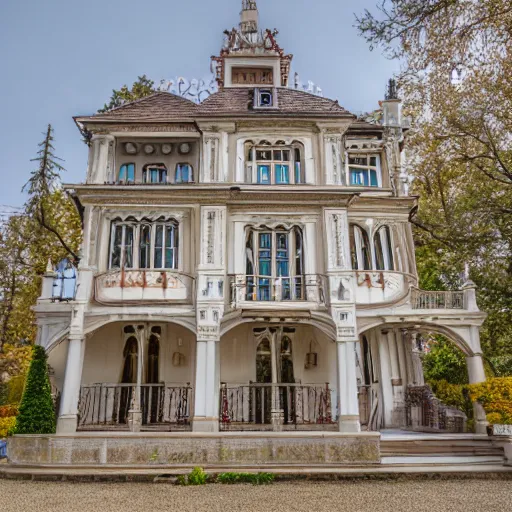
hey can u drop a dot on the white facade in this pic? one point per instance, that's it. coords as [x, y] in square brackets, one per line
[245, 269]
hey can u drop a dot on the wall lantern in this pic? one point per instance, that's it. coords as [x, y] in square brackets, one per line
[311, 358]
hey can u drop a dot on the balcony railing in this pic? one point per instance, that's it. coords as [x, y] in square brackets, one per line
[134, 285]
[106, 406]
[421, 299]
[249, 407]
[253, 288]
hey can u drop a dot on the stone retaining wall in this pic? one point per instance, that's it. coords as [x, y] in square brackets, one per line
[193, 449]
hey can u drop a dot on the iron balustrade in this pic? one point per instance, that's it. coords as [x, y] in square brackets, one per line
[107, 405]
[308, 287]
[251, 405]
[421, 299]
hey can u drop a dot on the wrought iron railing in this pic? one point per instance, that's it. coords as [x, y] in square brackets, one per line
[107, 405]
[243, 406]
[308, 287]
[421, 299]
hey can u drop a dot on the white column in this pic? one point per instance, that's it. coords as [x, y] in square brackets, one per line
[206, 407]
[417, 365]
[347, 386]
[67, 422]
[476, 374]
[385, 373]
[402, 358]
[393, 354]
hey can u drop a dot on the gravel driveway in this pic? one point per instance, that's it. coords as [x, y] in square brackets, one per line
[353, 496]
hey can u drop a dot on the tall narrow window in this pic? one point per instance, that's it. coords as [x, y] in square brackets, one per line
[383, 249]
[275, 271]
[299, 178]
[153, 359]
[183, 173]
[126, 173]
[360, 248]
[122, 246]
[364, 170]
[154, 173]
[166, 253]
[145, 246]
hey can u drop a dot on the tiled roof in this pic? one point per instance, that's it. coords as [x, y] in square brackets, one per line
[159, 107]
[164, 107]
[238, 101]
[365, 126]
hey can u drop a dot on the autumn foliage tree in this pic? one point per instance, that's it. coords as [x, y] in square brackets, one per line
[456, 80]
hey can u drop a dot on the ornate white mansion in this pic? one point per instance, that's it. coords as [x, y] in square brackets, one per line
[248, 265]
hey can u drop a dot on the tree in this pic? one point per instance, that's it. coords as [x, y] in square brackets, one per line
[37, 411]
[140, 89]
[42, 183]
[456, 81]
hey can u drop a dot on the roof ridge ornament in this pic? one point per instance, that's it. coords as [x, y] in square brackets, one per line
[249, 17]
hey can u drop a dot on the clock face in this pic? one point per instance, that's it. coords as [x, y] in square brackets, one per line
[166, 149]
[149, 149]
[185, 148]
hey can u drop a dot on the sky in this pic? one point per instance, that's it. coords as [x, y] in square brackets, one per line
[60, 58]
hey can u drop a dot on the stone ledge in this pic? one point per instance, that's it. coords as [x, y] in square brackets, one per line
[224, 449]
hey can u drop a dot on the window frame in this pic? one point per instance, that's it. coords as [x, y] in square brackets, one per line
[138, 228]
[163, 173]
[190, 176]
[254, 164]
[368, 168]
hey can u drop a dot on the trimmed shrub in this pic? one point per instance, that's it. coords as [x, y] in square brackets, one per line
[246, 478]
[495, 395]
[36, 412]
[6, 424]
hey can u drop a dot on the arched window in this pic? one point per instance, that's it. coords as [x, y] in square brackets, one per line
[154, 173]
[126, 173]
[360, 248]
[275, 264]
[131, 356]
[383, 249]
[153, 359]
[157, 243]
[184, 174]
[286, 361]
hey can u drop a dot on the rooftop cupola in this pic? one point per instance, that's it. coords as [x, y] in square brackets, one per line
[251, 57]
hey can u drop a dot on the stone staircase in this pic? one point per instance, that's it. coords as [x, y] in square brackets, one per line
[440, 450]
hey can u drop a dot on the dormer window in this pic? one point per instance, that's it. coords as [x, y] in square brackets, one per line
[265, 98]
[126, 173]
[154, 173]
[364, 170]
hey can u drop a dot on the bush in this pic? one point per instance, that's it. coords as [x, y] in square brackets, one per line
[196, 477]
[246, 478]
[444, 361]
[15, 389]
[36, 412]
[7, 411]
[7, 424]
[453, 395]
[495, 395]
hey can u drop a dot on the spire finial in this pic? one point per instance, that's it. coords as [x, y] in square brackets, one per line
[249, 17]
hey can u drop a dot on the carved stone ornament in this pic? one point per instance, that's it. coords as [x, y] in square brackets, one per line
[166, 149]
[149, 149]
[130, 148]
[184, 148]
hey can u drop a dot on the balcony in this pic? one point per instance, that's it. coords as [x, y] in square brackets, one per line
[248, 289]
[421, 299]
[144, 286]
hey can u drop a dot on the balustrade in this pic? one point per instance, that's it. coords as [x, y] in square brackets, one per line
[249, 406]
[106, 406]
[421, 299]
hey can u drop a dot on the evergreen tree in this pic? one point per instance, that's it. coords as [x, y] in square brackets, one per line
[37, 411]
[140, 89]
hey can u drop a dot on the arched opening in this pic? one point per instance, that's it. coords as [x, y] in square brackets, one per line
[129, 375]
[360, 250]
[383, 249]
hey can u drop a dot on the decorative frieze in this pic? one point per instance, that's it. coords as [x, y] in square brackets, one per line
[213, 236]
[337, 239]
[334, 160]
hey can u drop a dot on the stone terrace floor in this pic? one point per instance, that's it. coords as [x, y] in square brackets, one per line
[421, 495]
